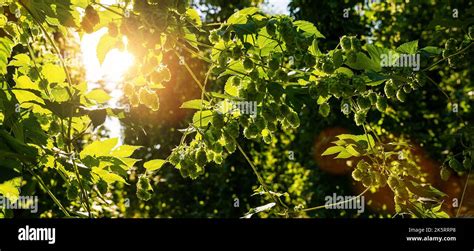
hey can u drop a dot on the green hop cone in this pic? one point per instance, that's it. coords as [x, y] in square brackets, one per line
[236, 81]
[214, 37]
[251, 131]
[345, 108]
[359, 84]
[337, 58]
[328, 67]
[248, 64]
[351, 56]
[236, 52]
[393, 182]
[367, 181]
[260, 123]
[467, 163]
[201, 157]
[230, 146]
[218, 159]
[357, 174]
[72, 192]
[455, 165]
[355, 42]
[450, 44]
[143, 194]
[390, 89]
[143, 182]
[324, 109]
[381, 103]
[271, 27]
[363, 102]
[274, 64]
[373, 98]
[401, 95]
[346, 43]
[174, 158]
[445, 173]
[359, 117]
[217, 120]
[293, 119]
[102, 186]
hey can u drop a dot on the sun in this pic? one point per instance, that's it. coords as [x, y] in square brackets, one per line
[114, 66]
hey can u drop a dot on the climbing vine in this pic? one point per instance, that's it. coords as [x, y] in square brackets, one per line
[272, 68]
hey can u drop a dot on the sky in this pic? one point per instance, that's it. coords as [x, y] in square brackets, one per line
[277, 6]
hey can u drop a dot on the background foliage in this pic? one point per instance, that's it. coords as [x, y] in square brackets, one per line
[49, 149]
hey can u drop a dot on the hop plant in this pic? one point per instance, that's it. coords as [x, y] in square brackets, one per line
[381, 103]
[359, 117]
[324, 109]
[72, 191]
[201, 157]
[363, 102]
[248, 64]
[346, 43]
[390, 89]
[218, 120]
[214, 36]
[445, 173]
[401, 95]
[102, 186]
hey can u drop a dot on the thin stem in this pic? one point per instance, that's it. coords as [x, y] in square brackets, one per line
[43, 185]
[335, 204]
[259, 177]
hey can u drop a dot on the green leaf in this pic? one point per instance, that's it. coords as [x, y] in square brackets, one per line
[11, 189]
[153, 165]
[376, 52]
[240, 17]
[106, 43]
[5, 50]
[202, 118]
[98, 95]
[124, 151]
[191, 39]
[432, 50]
[230, 89]
[364, 63]
[343, 155]
[350, 149]
[194, 104]
[107, 176]
[24, 82]
[333, 150]
[20, 60]
[408, 48]
[308, 28]
[193, 15]
[53, 73]
[59, 94]
[356, 138]
[99, 148]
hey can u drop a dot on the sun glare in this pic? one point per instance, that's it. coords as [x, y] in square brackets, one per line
[110, 72]
[114, 66]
